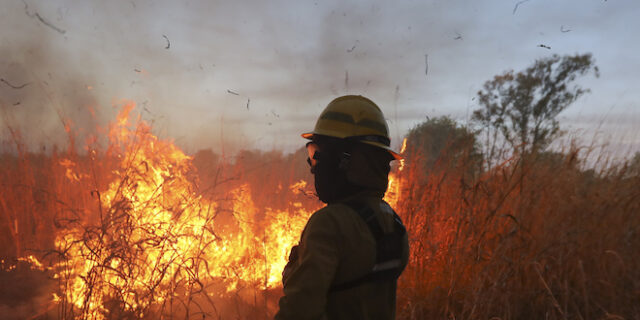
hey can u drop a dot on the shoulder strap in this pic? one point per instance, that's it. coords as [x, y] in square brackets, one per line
[388, 249]
[368, 215]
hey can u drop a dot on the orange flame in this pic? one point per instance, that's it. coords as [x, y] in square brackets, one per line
[156, 239]
[394, 188]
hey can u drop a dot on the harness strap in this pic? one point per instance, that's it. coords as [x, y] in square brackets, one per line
[388, 249]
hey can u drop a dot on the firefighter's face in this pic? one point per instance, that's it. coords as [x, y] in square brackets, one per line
[329, 180]
[313, 151]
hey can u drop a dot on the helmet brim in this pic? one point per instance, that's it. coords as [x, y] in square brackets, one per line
[396, 156]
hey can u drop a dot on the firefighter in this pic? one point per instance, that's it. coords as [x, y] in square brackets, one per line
[352, 251]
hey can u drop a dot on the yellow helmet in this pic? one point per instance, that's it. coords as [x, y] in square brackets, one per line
[357, 118]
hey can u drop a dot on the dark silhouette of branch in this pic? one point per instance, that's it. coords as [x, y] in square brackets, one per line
[48, 24]
[168, 42]
[14, 86]
[41, 19]
[353, 48]
[426, 63]
[518, 4]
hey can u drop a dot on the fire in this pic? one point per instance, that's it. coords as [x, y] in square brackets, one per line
[394, 188]
[148, 243]
[154, 244]
[404, 147]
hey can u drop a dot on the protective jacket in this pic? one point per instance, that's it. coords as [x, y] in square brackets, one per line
[337, 247]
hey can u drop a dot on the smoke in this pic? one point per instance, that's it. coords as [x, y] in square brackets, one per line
[181, 62]
[44, 88]
[254, 74]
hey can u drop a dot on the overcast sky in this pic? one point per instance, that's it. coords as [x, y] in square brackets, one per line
[255, 74]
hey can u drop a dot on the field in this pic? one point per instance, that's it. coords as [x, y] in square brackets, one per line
[132, 227]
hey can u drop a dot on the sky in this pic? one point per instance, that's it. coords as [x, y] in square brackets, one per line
[231, 75]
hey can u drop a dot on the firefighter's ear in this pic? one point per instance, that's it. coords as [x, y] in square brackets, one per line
[345, 159]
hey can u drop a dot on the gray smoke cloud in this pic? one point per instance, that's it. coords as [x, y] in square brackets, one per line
[255, 74]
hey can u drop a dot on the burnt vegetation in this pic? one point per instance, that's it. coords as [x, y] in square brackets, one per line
[501, 225]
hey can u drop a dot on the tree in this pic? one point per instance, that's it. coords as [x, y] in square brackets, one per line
[522, 108]
[440, 143]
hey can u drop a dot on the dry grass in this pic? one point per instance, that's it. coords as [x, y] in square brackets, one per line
[537, 237]
[533, 238]
[137, 266]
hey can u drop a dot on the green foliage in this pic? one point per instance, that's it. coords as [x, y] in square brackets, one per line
[522, 108]
[441, 142]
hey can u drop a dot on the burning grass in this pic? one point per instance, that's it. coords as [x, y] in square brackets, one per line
[144, 242]
[141, 230]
